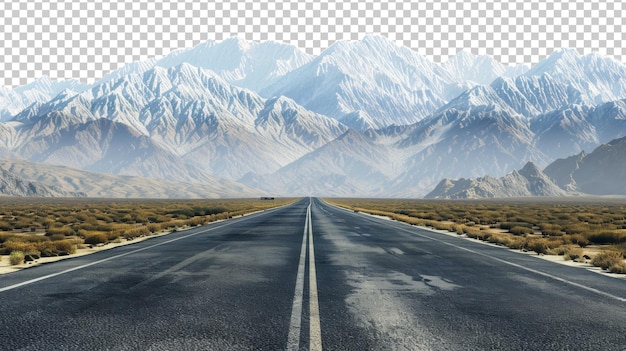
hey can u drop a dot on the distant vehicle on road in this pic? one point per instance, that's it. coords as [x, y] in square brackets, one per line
[266, 198]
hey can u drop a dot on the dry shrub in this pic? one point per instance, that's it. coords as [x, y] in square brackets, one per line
[47, 249]
[619, 268]
[578, 239]
[115, 234]
[539, 245]
[57, 237]
[510, 241]
[620, 247]
[96, 238]
[550, 229]
[443, 226]
[510, 225]
[560, 250]
[473, 232]
[56, 248]
[520, 230]
[459, 228]
[68, 246]
[173, 224]
[607, 237]
[500, 239]
[5, 236]
[569, 252]
[65, 231]
[196, 221]
[607, 259]
[154, 227]
[5, 226]
[136, 232]
[16, 257]
[15, 244]
[574, 253]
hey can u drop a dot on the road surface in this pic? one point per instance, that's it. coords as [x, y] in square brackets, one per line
[310, 276]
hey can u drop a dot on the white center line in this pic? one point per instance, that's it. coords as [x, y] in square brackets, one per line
[315, 333]
[295, 324]
[293, 340]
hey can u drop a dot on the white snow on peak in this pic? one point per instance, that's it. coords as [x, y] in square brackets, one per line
[53, 87]
[13, 101]
[479, 69]
[130, 68]
[557, 61]
[600, 78]
[251, 65]
[390, 84]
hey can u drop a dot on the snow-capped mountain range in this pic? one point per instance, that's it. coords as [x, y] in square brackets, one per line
[364, 118]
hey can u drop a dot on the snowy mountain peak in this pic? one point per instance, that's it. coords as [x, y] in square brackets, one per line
[251, 65]
[236, 42]
[600, 78]
[464, 55]
[379, 42]
[390, 84]
[559, 59]
[375, 51]
[43, 83]
[466, 66]
[47, 86]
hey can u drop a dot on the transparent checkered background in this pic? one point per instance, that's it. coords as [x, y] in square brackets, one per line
[84, 40]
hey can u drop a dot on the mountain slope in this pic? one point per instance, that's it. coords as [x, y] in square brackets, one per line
[562, 171]
[13, 185]
[454, 144]
[601, 172]
[352, 165]
[109, 147]
[70, 180]
[575, 128]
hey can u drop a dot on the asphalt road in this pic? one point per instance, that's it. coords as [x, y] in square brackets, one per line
[310, 276]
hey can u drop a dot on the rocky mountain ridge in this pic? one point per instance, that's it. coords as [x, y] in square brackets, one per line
[528, 181]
